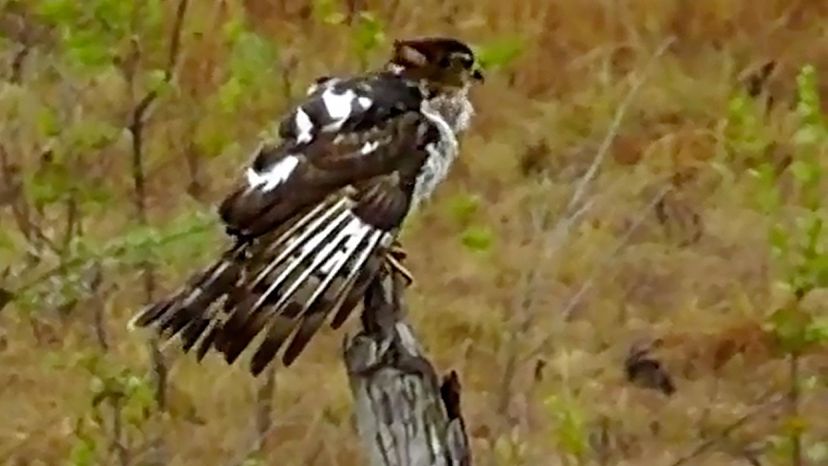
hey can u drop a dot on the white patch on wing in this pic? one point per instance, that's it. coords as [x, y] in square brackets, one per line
[368, 147]
[364, 102]
[338, 107]
[274, 175]
[304, 125]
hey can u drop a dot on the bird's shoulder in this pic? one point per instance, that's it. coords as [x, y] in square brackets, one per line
[349, 104]
[346, 119]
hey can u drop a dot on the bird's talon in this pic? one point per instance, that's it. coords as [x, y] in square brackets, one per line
[397, 251]
[397, 266]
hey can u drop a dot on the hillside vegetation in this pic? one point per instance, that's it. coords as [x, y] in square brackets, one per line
[627, 267]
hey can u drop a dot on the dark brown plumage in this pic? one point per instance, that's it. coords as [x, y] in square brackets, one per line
[316, 212]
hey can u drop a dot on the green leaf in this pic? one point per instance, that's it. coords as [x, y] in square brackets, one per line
[252, 57]
[818, 453]
[767, 192]
[232, 29]
[48, 185]
[89, 48]
[499, 53]
[157, 81]
[229, 94]
[806, 172]
[808, 105]
[328, 12]
[571, 429]
[789, 326]
[477, 238]
[140, 398]
[48, 123]
[211, 137]
[91, 134]
[152, 15]
[369, 34]
[746, 136]
[254, 461]
[778, 238]
[8, 242]
[83, 452]
[462, 208]
[817, 331]
[819, 266]
[809, 135]
[58, 11]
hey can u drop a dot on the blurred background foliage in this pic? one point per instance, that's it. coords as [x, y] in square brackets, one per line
[627, 266]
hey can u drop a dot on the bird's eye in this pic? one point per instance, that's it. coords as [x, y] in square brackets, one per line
[444, 62]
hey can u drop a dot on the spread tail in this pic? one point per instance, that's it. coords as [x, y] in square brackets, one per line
[280, 285]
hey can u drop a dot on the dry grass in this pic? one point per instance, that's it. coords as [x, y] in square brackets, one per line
[538, 322]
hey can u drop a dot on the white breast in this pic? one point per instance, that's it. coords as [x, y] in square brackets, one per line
[451, 115]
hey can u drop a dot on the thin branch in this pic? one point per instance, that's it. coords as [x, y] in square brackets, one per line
[140, 112]
[549, 242]
[767, 401]
[576, 209]
[108, 253]
[576, 299]
[136, 129]
[264, 408]
[17, 64]
[794, 408]
[606, 144]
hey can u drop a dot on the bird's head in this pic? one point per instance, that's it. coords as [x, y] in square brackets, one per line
[440, 61]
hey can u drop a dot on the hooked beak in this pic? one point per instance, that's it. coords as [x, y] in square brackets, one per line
[477, 75]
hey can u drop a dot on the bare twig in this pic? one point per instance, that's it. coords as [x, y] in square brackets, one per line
[136, 129]
[264, 407]
[118, 446]
[576, 208]
[17, 64]
[550, 239]
[794, 409]
[12, 195]
[606, 144]
[765, 402]
[80, 261]
[98, 308]
[586, 286]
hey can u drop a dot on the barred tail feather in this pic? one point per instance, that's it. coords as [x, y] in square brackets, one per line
[281, 288]
[248, 317]
[310, 276]
[189, 310]
[358, 248]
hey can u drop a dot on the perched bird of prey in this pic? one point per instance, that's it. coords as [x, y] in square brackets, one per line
[317, 214]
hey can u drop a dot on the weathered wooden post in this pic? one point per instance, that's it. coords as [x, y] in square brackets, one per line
[405, 415]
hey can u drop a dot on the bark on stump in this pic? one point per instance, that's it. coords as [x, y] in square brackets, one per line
[405, 415]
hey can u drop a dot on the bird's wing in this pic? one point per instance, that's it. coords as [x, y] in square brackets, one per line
[346, 130]
[297, 281]
[317, 217]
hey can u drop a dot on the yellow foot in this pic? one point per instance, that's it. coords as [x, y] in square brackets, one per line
[397, 251]
[395, 256]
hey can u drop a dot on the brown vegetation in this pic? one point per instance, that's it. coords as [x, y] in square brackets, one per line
[598, 204]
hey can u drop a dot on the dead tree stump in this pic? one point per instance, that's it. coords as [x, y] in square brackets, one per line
[405, 415]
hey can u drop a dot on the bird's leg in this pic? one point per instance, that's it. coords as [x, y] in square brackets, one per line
[395, 255]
